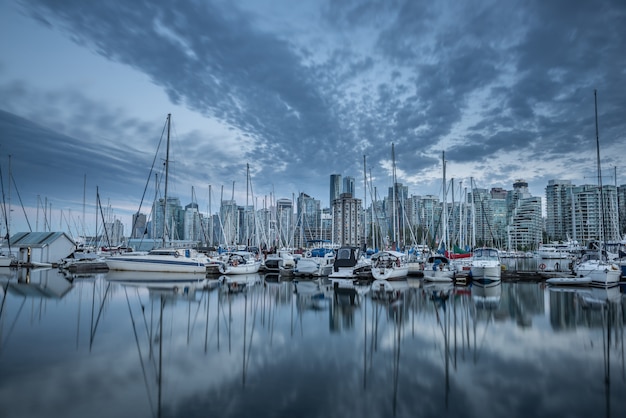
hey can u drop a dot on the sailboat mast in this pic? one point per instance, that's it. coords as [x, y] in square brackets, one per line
[364, 240]
[595, 99]
[167, 161]
[444, 236]
[393, 198]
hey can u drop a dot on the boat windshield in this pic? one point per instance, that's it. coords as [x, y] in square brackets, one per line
[486, 253]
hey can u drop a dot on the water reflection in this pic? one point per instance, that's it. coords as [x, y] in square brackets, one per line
[281, 347]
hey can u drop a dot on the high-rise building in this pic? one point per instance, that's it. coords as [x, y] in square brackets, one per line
[284, 222]
[483, 216]
[192, 224]
[113, 233]
[526, 226]
[229, 225]
[347, 220]
[621, 204]
[139, 228]
[168, 216]
[559, 226]
[308, 222]
[348, 185]
[335, 188]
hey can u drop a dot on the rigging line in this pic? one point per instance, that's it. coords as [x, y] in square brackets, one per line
[143, 367]
[149, 176]
[19, 197]
[17, 315]
[4, 209]
[93, 333]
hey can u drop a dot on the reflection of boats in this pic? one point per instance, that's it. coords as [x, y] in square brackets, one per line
[148, 278]
[486, 296]
[239, 262]
[239, 282]
[309, 295]
[486, 266]
[600, 297]
[388, 290]
[388, 265]
[569, 281]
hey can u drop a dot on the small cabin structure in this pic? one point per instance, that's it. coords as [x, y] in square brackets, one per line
[41, 247]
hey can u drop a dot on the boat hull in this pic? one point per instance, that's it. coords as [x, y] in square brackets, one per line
[155, 264]
[601, 274]
[240, 269]
[385, 273]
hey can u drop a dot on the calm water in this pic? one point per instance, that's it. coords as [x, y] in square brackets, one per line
[98, 348]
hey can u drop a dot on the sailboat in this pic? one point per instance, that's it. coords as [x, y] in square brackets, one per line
[165, 259]
[594, 264]
[389, 265]
[438, 268]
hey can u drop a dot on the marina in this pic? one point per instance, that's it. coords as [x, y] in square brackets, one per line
[112, 344]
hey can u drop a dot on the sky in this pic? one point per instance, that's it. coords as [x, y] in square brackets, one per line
[293, 92]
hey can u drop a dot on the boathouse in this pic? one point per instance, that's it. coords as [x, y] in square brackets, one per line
[35, 248]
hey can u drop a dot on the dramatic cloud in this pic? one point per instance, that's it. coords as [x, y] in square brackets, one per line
[302, 91]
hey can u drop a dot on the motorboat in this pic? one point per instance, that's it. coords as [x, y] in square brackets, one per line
[486, 266]
[161, 260]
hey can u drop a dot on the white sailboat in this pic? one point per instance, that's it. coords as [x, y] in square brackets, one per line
[594, 264]
[389, 265]
[165, 259]
[239, 262]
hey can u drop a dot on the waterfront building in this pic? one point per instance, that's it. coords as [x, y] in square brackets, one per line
[168, 215]
[621, 212]
[588, 215]
[284, 223]
[308, 224]
[228, 222]
[192, 230]
[394, 205]
[526, 225]
[139, 228]
[559, 200]
[114, 233]
[500, 214]
[482, 219]
[246, 233]
[346, 220]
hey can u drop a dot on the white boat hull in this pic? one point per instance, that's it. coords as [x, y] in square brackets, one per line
[602, 274]
[155, 264]
[485, 272]
[240, 269]
[436, 275]
[390, 273]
